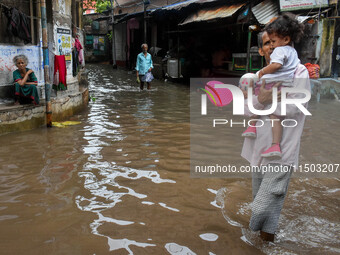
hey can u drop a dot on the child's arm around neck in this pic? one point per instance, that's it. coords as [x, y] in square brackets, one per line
[271, 68]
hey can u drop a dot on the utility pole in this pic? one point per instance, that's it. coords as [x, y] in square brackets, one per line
[146, 2]
[46, 64]
[114, 64]
[251, 28]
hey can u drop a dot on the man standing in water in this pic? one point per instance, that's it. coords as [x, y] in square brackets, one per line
[269, 189]
[144, 67]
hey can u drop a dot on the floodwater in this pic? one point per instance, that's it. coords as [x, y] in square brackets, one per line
[119, 183]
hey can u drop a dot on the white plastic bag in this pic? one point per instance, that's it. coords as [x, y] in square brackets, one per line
[148, 77]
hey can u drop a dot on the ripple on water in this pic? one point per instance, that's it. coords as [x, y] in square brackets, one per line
[176, 249]
[126, 168]
[302, 228]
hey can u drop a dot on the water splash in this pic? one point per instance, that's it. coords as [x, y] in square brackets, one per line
[220, 199]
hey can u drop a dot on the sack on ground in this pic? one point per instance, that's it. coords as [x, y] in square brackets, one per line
[313, 70]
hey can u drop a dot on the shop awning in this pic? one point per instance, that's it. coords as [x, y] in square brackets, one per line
[212, 13]
[180, 5]
[173, 7]
[265, 11]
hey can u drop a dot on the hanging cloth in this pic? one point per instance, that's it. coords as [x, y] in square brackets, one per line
[77, 44]
[75, 62]
[60, 73]
[79, 48]
[18, 24]
[81, 58]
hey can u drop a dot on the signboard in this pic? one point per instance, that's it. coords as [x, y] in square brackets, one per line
[64, 43]
[291, 5]
[99, 44]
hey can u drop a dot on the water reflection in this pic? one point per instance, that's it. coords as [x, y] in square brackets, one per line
[108, 129]
[120, 182]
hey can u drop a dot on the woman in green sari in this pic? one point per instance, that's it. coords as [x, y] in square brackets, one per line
[25, 81]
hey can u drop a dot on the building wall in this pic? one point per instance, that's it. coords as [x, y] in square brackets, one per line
[11, 46]
[98, 47]
[60, 14]
[62, 18]
[326, 40]
[8, 52]
[307, 46]
[29, 117]
[120, 39]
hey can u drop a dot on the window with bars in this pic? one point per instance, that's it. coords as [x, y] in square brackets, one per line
[29, 9]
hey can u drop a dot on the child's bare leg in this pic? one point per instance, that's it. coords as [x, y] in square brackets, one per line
[253, 120]
[276, 129]
[274, 150]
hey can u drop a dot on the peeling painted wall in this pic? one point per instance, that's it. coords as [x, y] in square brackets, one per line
[8, 52]
[326, 47]
[33, 53]
[62, 18]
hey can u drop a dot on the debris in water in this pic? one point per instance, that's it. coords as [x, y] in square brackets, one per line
[65, 123]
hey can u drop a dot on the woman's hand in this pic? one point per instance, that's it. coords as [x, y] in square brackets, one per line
[245, 91]
[29, 72]
[150, 69]
[265, 96]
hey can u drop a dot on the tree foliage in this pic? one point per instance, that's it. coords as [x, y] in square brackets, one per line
[98, 5]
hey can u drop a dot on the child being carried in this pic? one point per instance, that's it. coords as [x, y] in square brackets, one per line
[283, 32]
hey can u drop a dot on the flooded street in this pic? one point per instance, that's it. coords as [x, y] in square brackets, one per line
[119, 183]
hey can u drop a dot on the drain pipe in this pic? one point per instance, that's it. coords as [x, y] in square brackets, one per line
[113, 38]
[46, 64]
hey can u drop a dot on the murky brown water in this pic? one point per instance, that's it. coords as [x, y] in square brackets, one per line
[119, 183]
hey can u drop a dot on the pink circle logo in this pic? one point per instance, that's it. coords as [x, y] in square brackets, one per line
[218, 96]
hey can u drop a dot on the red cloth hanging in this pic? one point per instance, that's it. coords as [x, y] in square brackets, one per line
[60, 73]
[77, 44]
[79, 48]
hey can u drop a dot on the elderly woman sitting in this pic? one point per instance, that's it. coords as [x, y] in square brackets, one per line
[25, 81]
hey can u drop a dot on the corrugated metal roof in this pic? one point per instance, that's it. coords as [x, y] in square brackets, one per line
[265, 11]
[178, 6]
[212, 13]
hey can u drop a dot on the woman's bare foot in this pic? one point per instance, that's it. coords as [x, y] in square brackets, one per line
[267, 236]
[16, 103]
